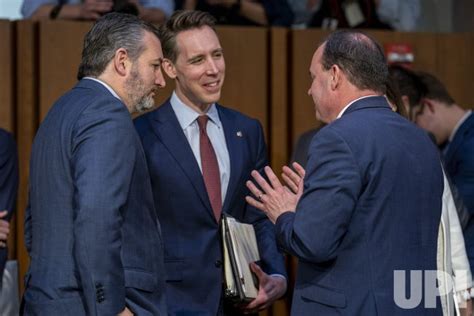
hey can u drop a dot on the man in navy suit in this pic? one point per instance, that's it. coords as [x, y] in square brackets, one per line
[8, 190]
[370, 202]
[91, 228]
[453, 129]
[199, 171]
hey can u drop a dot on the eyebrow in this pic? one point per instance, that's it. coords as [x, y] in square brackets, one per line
[217, 50]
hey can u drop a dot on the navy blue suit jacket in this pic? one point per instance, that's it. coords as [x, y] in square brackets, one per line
[193, 256]
[371, 205]
[8, 184]
[459, 165]
[91, 227]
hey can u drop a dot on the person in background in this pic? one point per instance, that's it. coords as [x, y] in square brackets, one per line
[154, 11]
[91, 228]
[8, 191]
[244, 12]
[332, 14]
[453, 130]
[199, 155]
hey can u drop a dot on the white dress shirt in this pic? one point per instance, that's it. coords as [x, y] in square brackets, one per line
[187, 118]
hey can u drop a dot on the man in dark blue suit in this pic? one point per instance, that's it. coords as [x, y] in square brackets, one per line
[199, 155]
[8, 190]
[370, 202]
[91, 227]
[453, 129]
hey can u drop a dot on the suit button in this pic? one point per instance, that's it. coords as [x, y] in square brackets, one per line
[218, 263]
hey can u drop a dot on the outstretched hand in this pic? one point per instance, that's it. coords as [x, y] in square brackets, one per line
[276, 199]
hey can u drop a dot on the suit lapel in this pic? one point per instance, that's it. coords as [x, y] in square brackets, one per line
[166, 127]
[235, 141]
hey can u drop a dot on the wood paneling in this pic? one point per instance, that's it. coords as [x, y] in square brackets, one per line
[246, 82]
[7, 76]
[60, 48]
[27, 122]
[279, 97]
[303, 45]
[455, 66]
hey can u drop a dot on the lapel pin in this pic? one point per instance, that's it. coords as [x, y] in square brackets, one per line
[239, 134]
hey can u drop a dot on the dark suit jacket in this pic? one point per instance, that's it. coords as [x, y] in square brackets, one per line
[193, 256]
[91, 227]
[371, 205]
[459, 165]
[8, 184]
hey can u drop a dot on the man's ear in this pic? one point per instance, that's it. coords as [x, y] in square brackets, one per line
[429, 105]
[169, 68]
[122, 64]
[336, 76]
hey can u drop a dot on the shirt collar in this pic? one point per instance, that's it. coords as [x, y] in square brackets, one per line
[352, 102]
[105, 85]
[186, 115]
[458, 125]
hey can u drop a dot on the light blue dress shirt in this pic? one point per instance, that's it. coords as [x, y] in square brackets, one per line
[187, 118]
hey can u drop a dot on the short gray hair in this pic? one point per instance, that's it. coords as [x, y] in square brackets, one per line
[107, 35]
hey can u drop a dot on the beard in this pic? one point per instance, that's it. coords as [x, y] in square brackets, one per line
[140, 97]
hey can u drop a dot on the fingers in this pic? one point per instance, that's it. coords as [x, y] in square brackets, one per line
[258, 271]
[289, 183]
[275, 182]
[299, 169]
[261, 182]
[3, 213]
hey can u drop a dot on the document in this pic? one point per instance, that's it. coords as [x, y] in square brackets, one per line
[240, 249]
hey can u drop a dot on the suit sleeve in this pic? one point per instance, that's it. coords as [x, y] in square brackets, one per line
[464, 177]
[8, 183]
[331, 188]
[272, 260]
[102, 160]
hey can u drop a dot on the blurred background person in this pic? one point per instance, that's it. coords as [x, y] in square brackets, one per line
[8, 192]
[243, 12]
[154, 11]
[380, 14]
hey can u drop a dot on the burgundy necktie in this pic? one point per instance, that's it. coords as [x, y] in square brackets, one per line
[210, 168]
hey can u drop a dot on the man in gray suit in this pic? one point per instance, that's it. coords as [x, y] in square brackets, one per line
[91, 228]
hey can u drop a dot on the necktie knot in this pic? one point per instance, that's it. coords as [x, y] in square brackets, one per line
[202, 122]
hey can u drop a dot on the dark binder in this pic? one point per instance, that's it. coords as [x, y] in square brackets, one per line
[240, 249]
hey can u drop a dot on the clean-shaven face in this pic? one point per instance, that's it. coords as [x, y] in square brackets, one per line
[199, 67]
[320, 86]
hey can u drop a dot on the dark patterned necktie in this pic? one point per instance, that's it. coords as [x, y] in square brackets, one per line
[210, 168]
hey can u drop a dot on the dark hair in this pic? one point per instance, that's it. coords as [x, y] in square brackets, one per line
[360, 58]
[408, 83]
[435, 89]
[394, 97]
[107, 35]
[181, 21]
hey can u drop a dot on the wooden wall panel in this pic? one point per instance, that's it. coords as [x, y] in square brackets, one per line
[246, 83]
[6, 75]
[279, 97]
[303, 45]
[60, 47]
[455, 66]
[27, 123]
